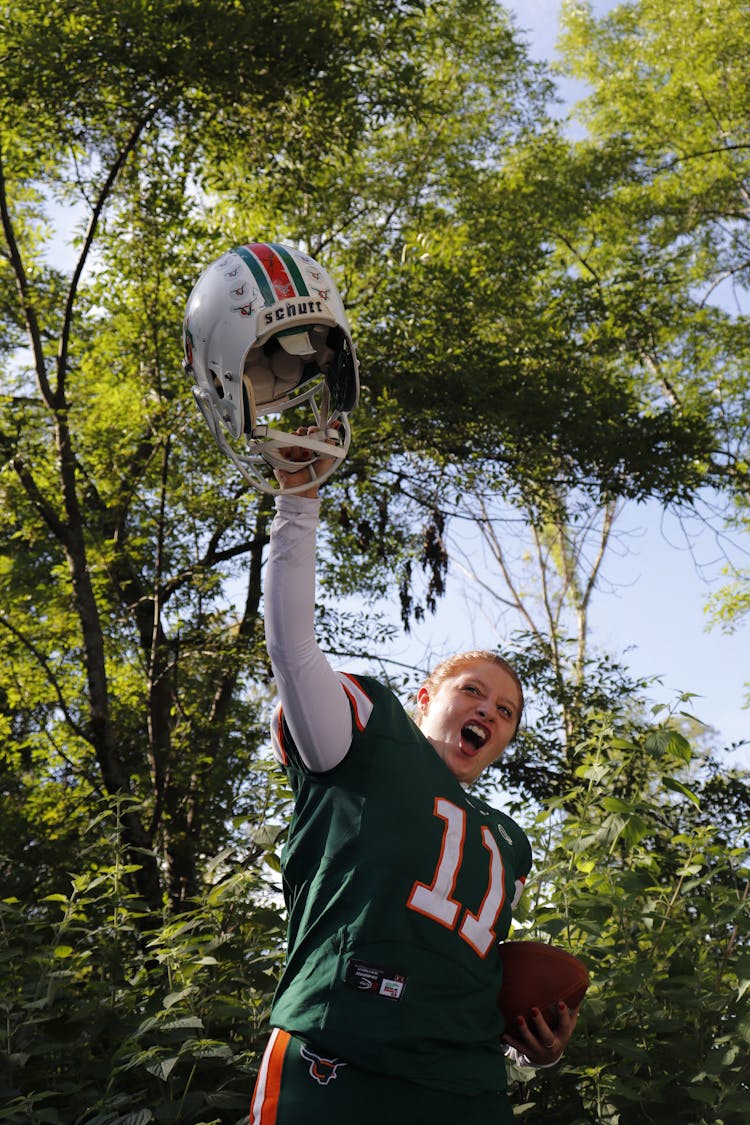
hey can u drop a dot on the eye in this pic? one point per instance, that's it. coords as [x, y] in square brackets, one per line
[470, 687]
[506, 712]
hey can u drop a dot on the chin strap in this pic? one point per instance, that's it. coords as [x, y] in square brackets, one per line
[266, 445]
[332, 443]
[270, 444]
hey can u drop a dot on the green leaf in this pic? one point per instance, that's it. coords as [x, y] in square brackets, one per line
[175, 997]
[678, 787]
[615, 804]
[162, 1068]
[181, 1023]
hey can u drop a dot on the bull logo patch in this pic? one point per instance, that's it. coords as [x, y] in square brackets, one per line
[322, 1070]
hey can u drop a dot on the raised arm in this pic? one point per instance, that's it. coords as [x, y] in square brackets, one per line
[314, 702]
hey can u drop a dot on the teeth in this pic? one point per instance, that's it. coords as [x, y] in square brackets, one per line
[479, 734]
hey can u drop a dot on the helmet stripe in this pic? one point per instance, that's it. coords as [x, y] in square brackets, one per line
[281, 268]
[272, 262]
[274, 267]
[293, 268]
[258, 273]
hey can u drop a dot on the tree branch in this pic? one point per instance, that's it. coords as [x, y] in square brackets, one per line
[104, 193]
[52, 679]
[22, 284]
[57, 526]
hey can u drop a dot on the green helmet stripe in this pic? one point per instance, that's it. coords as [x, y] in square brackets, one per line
[266, 292]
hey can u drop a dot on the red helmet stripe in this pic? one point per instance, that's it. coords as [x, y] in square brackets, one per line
[293, 268]
[276, 268]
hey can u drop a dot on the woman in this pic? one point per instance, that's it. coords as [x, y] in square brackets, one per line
[399, 882]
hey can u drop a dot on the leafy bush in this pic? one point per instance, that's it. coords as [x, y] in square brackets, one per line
[654, 899]
[108, 1023]
[113, 1017]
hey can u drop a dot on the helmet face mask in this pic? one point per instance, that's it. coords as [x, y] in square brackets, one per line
[265, 332]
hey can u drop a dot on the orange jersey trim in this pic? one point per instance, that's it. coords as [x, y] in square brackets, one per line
[520, 884]
[358, 697]
[277, 736]
[361, 707]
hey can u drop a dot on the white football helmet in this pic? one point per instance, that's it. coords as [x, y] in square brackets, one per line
[265, 331]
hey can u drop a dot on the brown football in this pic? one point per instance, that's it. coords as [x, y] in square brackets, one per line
[537, 975]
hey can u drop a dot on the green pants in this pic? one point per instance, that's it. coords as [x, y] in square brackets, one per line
[297, 1086]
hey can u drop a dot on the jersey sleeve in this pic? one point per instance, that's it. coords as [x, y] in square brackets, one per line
[314, 703]
[284, 745]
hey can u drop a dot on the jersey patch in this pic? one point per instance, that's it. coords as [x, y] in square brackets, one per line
[369, 978]
[504, 834]
[322, 1070]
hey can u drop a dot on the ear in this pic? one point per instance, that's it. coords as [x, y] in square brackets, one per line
[423, 699]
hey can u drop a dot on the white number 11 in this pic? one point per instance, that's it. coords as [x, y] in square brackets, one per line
[436, 901]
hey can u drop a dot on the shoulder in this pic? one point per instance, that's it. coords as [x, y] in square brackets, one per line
[362, 693]
[373, 706]
[370, 697]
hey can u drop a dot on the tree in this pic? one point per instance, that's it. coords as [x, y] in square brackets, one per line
[533, 578]
[667, 243]
[123, 661]
[409, 145]
[104, 1026]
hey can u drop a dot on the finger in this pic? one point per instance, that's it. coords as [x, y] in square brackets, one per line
[336, 425]
[543, 1030]
[536, 1036]
[298, 452]
[568, 1017]
[537, 1050]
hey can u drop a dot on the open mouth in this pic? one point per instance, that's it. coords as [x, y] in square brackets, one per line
[473, 737]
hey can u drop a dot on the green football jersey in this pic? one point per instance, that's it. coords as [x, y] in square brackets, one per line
[399, 886]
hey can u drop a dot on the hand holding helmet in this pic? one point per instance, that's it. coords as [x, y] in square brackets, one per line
[303, 470]
[266, 332]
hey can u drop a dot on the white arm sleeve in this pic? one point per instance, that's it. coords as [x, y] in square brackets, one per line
[315, 705]
[520, 1059]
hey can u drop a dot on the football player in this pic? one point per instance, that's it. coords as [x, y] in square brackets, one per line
[399, 882]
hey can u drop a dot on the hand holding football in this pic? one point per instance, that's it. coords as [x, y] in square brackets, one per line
[537, 975]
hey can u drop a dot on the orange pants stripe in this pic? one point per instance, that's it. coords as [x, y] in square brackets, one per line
[265, 1103]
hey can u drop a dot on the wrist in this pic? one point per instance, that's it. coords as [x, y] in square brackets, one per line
[296, 503]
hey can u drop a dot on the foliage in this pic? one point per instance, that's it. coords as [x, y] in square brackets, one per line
[490, 360]
[428, 173]
[653, 896]
[121, 535]
[666, 243]
[540, 763]
[641, 869]
[105, 1024]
